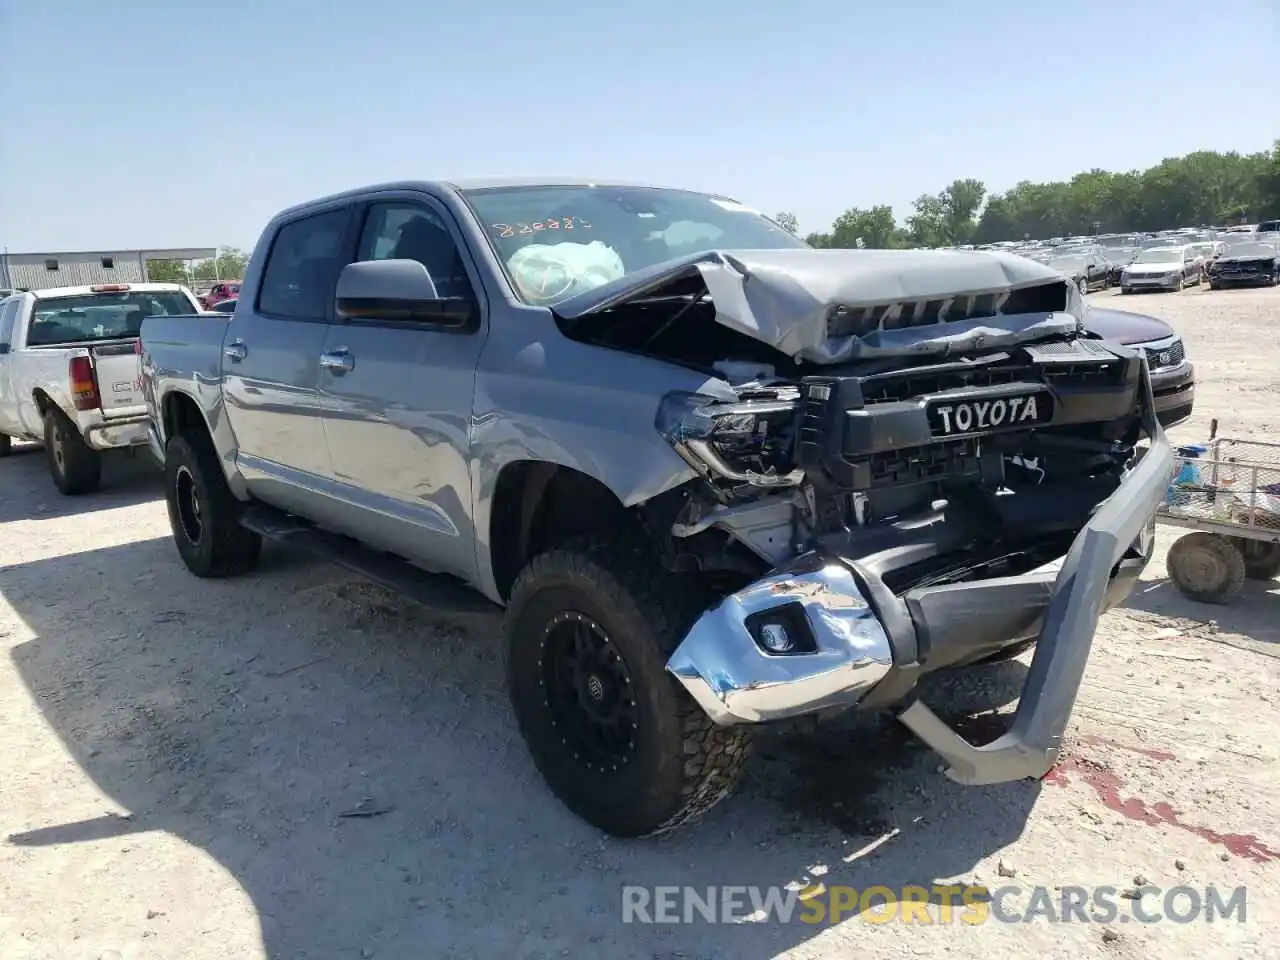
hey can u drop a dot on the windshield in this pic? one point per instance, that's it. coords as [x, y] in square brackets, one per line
[558, 241]
[99, 316]
[1160, 255]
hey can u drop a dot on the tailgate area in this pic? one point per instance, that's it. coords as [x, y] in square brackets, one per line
[119, 370]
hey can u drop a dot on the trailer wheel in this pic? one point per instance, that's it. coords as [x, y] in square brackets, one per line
[1207, 567]
[1261, 559]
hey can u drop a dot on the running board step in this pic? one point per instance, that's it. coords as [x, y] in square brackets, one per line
[432, 589]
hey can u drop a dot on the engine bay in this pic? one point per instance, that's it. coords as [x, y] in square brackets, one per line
[961, 464]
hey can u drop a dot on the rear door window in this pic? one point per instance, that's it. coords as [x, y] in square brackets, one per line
[302, 268]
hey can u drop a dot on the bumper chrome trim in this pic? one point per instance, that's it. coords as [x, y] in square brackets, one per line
[735, 681]
[113, 434]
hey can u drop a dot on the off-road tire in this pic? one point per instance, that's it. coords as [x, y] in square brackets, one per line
[215, 544]
[6, 444]
[76, 467]
[682, 763]
[1214, 285]
[1261, 558]
[1207, 567]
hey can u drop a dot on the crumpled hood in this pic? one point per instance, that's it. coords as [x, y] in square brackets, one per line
[786, 298]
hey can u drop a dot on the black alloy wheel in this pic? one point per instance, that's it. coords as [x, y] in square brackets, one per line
[589, 692]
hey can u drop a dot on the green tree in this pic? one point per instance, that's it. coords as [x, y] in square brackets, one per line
[948, 218]
[228, 265]
[876, 228]
[1204, 188]
[166, 271]
[788, 222]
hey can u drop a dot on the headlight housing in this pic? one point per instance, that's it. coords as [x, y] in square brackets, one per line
[746, 441]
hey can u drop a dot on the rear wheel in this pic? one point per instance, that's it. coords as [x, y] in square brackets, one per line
[76, 467]
[1206, 567]
[204, 514]
[588, 632]
[1261, 559]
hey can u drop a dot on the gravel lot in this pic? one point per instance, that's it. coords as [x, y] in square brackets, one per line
[180, 755]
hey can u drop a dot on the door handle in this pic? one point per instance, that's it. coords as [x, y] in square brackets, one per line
[339, 361]
[235, 351]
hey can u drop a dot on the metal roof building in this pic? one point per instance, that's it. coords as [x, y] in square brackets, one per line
[40, 271]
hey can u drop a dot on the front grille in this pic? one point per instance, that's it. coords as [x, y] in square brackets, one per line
[906, 385]
[845, 321]
[1255, 266]
[1170, 356]
[948, 460]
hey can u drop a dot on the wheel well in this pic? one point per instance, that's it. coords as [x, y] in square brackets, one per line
[179, 414]
[42, 401]
[538, 505]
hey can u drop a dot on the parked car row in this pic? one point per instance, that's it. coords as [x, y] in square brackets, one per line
[702, 504]
[1169, 260]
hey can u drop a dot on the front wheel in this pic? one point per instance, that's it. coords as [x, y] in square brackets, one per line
[76, 467]
[203, 513]
[588, 632]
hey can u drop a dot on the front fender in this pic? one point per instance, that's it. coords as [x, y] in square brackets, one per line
[542, 397]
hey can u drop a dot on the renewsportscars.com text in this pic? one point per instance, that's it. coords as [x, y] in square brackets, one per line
[939, 904]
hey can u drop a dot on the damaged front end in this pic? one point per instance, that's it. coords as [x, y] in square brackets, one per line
[934, 466]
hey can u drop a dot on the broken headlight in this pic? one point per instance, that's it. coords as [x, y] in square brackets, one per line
[747, 441]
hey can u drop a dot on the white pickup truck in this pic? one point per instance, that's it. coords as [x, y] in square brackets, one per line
[69, 374]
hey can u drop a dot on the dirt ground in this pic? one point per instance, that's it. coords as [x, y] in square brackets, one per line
[179, 756]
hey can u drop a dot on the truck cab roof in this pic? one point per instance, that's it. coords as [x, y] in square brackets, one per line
[83, 290]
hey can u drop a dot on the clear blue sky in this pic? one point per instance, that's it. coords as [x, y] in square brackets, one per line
[164, 123]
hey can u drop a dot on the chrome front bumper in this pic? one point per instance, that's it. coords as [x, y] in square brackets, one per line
[852, 654]
[735, 681]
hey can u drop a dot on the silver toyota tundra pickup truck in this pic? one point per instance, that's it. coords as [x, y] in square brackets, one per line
[715, 477]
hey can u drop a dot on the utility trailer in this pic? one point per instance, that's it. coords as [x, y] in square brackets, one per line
[1227, 491]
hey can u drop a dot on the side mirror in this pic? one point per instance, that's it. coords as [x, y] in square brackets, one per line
[396, 290]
